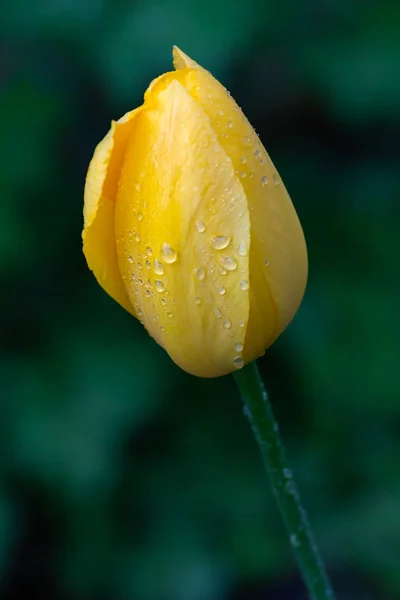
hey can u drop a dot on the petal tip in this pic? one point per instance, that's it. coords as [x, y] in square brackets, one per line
[182, 60]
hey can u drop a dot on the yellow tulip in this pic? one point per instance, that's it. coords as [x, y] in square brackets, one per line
[189, 227]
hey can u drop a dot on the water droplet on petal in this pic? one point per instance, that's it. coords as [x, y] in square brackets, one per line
[159, 285]
[228, 262]
[137, 187]
[149, 251]
[243, 160]
[275, 178]
[148, 264]
[266, 263]
[139, 266]
[137, 237]
[130, 259]
[238, 362]
[219, 242]
[264, 180]
[257, 153]
[227, 323]
[158, 267]
[242, 250]
[199, 273]
[229, 124]
[238, 347]
[200, 226]
[243, 175]
[220, 113]
[244, 285]
[217, 313]
[223, 271]
[221, 290]
[139, 216]
[169, 255]
[197, 300]
[148, 293]
[163, 301]
[242, 323]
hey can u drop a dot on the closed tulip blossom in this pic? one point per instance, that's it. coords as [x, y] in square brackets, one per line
[189, 227]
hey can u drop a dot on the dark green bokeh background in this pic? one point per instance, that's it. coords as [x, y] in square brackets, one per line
[122, 477]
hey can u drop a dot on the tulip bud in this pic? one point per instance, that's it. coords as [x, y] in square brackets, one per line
[189, 227]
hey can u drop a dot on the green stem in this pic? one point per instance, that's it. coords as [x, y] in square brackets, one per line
[265, 428]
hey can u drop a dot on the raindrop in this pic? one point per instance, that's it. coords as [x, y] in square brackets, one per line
[130, 259]
[159, 285]
[149, 251]
[228, 262]
[217, 313]
[242, 250]
[238, 362]
[200, 226]
[158, 267]
[148, 264]
[139, 266]
[223, 271]
[219, 242]
[221, 290]
[227, 323]
[238, 347]
[200, 273]
[139, 216]
[197, 300]
[169, 255]
[244, 285]
[264, 180]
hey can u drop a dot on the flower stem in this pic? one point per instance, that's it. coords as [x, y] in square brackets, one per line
[266, 431]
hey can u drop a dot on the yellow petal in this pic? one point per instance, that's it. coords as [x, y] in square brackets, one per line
[183, 234]
[101, 185]
[278, 265]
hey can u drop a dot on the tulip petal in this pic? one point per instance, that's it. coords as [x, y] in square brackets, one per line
[183, 234]
[101, 185]
[278, 265]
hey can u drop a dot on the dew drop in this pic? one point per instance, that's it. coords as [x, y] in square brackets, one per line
[257, 153]
[264, 180]
[170, 315]
[137, 237]
[227, 323]
[229, 124]
[223, 271]
[169, 255]
[130, 234]
[148, 293]
[228, 262]
[148, 264]
[238, 362]
[163, 301]
[238, 347]
[139, 216]
[242, 250]
[221, 290]
[197, 300]
[244, 285]
[139, 266]
[199, 273]
[130, 259]
[149, 251]
[266, 263]
[275, 178]
[243, 175]
[219, 242]
[241, 323]
[220, 113]
[137, 187]
[159, 285]
[158, 267]
[243, 160]
[217, 313]
[200, 226]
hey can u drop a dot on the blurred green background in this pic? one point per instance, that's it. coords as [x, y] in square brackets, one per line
[122, 477]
